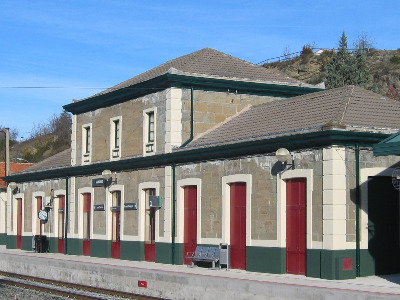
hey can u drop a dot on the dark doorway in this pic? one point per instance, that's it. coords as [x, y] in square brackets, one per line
[383, 225]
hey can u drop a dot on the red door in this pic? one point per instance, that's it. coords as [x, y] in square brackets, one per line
[190, 221]
[238, 225]
[116, 225]
[86, 224]
[61, 214]
[150, 229]
[39, 204]
[296, 226]
[19, 223]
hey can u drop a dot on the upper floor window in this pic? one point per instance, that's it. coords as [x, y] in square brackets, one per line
[86, 143]
[149, 131]
[115, 138]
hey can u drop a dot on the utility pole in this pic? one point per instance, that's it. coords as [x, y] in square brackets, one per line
[6, 151]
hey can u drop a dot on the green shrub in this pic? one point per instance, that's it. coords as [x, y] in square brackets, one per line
[395, 59]
[307, 50]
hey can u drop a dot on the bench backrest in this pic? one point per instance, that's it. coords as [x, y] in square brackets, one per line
[207, 253]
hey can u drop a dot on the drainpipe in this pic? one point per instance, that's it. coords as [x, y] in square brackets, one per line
[191, 119]
[173, 212]
[357, 153]
[174, 179]
[66, 217]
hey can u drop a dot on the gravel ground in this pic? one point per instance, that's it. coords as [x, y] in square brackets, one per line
[16, 293]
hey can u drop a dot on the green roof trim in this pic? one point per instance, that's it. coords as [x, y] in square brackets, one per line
[228, 151]
[183, 81]
[389, 146]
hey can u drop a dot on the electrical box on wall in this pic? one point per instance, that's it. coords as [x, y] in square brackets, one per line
[155, 201]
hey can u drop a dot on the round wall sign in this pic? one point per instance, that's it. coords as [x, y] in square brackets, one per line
[43, 216]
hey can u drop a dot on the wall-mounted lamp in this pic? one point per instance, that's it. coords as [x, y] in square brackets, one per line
[283, 155]
[110, 180]
[14, 188]
[49, 204]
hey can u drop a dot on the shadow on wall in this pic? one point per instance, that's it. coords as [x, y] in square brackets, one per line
[383, 256]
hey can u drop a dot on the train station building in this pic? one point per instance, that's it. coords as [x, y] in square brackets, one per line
[208, 149]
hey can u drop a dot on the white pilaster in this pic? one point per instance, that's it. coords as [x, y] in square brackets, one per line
[334, 198]
[173, 125]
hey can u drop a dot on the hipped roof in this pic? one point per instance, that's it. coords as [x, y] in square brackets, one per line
[213, 63]
[350, 107]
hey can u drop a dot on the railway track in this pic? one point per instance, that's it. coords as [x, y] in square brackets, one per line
[64, 289]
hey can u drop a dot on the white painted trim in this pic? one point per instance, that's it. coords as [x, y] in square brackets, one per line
[112, 137]
[111, 189]
[146, 130]
[173, 119]
[226, 210]
[364, 174]
[281, 204]
[55, 210]
[14, 210]
[142, 207]
[35, 219]
[84, 126]
[81, 191]
[180, 208]
[73, 141]
[167, 206]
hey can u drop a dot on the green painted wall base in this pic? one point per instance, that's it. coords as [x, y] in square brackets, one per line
[326, 264]
[132, 250]
[3, 239]
[74, 246]
[11, 242]
[333, 264]
[313, 263]
[367, 263]
[100, 248]
[164, 253]
[266, 259]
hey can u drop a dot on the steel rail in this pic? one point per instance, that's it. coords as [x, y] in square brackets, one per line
[60, 284]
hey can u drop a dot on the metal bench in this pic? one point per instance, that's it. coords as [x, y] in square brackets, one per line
[205, 254]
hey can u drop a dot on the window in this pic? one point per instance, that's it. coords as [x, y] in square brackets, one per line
[86, 143]
[116, 134]
[149, 131]
[115, 138]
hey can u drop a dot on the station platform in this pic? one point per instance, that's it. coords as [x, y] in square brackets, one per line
[182, 282]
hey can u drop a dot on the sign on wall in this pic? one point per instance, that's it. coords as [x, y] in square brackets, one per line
[130, 206]
[98, 207]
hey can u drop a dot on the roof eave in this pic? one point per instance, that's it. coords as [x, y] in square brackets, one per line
[265, 146]
[185, 81]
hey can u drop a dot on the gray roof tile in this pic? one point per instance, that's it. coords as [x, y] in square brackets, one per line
[59, 160]
[351, 106]
[210, 62]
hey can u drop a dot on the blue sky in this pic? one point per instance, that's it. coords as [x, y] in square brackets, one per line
[57, 50]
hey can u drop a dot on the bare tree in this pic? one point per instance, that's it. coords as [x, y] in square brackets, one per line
[363, 42]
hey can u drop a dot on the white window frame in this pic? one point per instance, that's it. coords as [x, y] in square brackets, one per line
[115, 148]
[36, 224]
[87, 143]
[149, 147]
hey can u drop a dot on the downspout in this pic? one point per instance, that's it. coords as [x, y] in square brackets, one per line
[66, 217]
[174, 179]
[173, 212]
[191, 119]
[357, 153]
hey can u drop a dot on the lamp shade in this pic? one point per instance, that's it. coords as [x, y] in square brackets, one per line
[282, 154]
[106, 173]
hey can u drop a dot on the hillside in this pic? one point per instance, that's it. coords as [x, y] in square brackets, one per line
[384, 67]
[45, 140]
